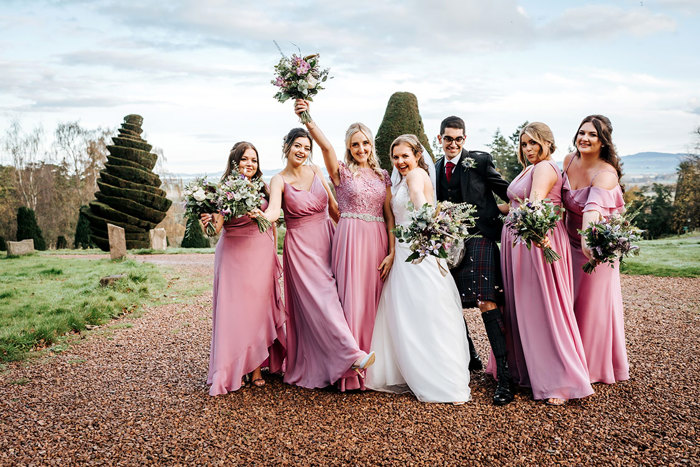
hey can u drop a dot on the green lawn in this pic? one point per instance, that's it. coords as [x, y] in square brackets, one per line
[43, 298]
[141, 251]
[672, 257]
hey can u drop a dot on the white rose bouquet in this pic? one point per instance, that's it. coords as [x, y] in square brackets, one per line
[200, 198]
[237, 196]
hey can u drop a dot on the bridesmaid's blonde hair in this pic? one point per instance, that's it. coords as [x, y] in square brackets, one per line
[372, 159]
[542, 134]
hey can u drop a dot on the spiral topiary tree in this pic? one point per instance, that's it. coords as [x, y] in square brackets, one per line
[129, 195]
[401, 117]
[27, 227]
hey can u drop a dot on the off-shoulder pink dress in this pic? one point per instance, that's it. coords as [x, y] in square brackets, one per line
[320, 346]
[597, 296]
[360, 244]
[544, 347]
[248, 314]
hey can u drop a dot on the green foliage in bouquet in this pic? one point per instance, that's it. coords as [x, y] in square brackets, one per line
[129, 193]
[401, 117]
[194, 237]
[27, 227]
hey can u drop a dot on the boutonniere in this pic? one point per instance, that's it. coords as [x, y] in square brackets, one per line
[468, 163]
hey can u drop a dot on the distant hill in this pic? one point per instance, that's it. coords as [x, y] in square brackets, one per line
[651, 163]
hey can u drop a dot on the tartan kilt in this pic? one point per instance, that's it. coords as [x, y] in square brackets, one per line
[478, 277]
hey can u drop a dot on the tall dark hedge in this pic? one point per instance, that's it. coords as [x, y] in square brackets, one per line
[61, 243]
[3, 244]
[129, 195]
[82, 231]
[27, 227]
[194, 237]
[401, 117]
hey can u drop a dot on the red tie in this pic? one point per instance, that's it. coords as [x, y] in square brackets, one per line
[448, 171]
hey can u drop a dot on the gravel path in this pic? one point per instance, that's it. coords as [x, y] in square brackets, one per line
[133, 391]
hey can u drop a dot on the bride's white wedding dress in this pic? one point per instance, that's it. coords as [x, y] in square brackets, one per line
[419, 333]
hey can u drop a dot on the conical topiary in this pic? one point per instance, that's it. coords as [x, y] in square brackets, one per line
[129, 195]
[3, 244]
[82, 231]
[194, 237]
[401, 117]
[61, 243]
[27, 227]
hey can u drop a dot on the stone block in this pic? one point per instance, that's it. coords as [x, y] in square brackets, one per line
[117, 241]
[24, 247]
[158, 239]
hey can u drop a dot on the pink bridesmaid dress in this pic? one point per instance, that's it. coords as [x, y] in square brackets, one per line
[360, 244]
[597, 296]
[320, 346]
[248, 317]
[544, 346]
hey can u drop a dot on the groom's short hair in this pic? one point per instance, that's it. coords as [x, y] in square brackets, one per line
[452, 122]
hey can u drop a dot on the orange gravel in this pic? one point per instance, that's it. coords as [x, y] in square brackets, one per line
[135, 395]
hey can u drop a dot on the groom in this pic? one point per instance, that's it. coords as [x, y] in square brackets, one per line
[471, 177]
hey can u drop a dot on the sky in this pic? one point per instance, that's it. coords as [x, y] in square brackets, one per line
[199, 71]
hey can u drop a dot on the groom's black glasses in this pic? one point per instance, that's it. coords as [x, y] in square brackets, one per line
[450, 139]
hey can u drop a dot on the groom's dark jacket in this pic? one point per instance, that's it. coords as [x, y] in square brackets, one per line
[475, 186]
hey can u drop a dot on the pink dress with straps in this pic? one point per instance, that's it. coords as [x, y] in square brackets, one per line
[544, 347]
[597, 296]
[360, 244]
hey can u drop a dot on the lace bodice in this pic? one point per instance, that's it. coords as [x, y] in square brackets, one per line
[362, 193]
[399, 204]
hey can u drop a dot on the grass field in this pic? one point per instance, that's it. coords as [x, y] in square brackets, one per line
[666, 257]
[43, 298]
[140, 251]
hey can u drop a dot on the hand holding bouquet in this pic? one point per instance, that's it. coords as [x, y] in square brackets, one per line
[299, 78]
[435, 229]
[531, 221]
[609, 239]
[200, 198]
[237, 196]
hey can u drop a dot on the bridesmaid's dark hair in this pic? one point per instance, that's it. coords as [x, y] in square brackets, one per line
[293, 134]
[235, 156]
[608, 152]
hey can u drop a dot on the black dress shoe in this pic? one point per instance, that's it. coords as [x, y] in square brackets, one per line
[503, 394]
[475, 363]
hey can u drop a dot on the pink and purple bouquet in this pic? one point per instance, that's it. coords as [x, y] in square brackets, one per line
[299, 78]
[531, 222]
[435, 230]
[237, 196]
[200, 198]
[609, 240]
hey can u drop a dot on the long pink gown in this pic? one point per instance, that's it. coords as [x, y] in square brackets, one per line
[248, 313]
[544, 346]
[597, 296]
[360, 244]
[320, 346]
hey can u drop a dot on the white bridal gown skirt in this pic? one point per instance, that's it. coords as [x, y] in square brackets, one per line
[419, 334]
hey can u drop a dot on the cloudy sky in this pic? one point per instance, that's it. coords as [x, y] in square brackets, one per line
[199, 71]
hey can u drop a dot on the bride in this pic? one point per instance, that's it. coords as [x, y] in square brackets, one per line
[419, 332]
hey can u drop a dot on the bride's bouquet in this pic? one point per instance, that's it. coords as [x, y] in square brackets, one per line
[299, 78]
[609, 239]
[237, 196]
[434, 230]
[532, 221]
[200, 198]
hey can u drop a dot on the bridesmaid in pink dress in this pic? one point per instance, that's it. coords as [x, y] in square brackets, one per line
[592, 190]
[248, 314]
[363, 245]
[545, 350]
[320, 346]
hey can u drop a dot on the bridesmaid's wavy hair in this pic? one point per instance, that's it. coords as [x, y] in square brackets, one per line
[541, 134]
[235, 156]
[608, 152]
[293, 134]
[417, 148]
[372, 159]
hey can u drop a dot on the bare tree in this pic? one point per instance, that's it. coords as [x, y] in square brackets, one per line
[23, 150]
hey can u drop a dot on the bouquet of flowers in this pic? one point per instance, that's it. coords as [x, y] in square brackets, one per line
[434, 230]
[237, 196]
[531, 221]
[609, 239]
[200, 197]
[299, 78]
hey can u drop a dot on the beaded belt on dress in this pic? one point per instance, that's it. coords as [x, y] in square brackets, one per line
[364, 217]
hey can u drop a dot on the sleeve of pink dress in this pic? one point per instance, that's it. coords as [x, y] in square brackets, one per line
[387, 178]
[604, 201]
